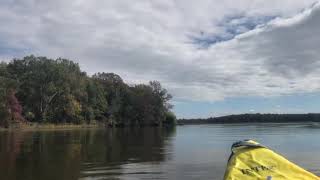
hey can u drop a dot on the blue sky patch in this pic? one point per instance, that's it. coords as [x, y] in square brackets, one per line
[232, 26]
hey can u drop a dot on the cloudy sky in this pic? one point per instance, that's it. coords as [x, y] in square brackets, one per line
[215, 57]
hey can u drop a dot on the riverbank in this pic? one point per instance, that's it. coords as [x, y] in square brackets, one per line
[48, 126]
[28, 126]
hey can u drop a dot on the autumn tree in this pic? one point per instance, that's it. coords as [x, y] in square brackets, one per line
[47, 90]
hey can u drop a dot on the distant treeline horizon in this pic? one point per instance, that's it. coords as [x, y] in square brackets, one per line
[254, 118]
[44, 90]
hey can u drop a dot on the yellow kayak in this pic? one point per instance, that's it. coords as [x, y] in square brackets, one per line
[252, 161]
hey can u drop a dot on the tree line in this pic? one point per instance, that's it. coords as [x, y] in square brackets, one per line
[255, 118]
[43, 90]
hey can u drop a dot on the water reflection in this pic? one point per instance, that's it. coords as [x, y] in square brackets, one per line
[126, 148]
[194, 152]
[80, 154]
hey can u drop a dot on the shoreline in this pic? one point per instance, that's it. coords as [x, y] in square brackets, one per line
[50, 127]
[56, 127]
[244, 123]
[255, 118]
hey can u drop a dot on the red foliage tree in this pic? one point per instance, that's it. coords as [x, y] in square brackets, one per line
[14, 106]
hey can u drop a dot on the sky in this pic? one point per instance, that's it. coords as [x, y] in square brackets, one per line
[215, 57]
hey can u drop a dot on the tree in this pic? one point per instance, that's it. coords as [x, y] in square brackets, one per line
[57, 91]
[162, 99]
[4, 113]
[49, 89]
[114, 89]
[14, 107]
[3, 94]
[171, 119]
[10, 108]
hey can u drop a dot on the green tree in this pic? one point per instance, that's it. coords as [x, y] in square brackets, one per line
[49, 89]
[96, 105]
[57, 91]
[114, 89]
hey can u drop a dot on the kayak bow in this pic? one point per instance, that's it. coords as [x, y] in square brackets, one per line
[252, 161]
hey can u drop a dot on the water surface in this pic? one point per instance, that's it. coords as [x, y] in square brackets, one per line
[186, 152]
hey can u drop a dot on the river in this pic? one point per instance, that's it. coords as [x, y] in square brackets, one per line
[186, 152]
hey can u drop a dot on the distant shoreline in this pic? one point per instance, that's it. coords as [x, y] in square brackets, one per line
[254, 118]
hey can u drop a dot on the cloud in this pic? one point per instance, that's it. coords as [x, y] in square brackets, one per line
[252, 48]
[233, 26]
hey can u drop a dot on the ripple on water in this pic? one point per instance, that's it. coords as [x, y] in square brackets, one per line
[186, 153]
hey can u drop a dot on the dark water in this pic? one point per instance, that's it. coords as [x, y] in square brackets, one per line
[187, 152]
